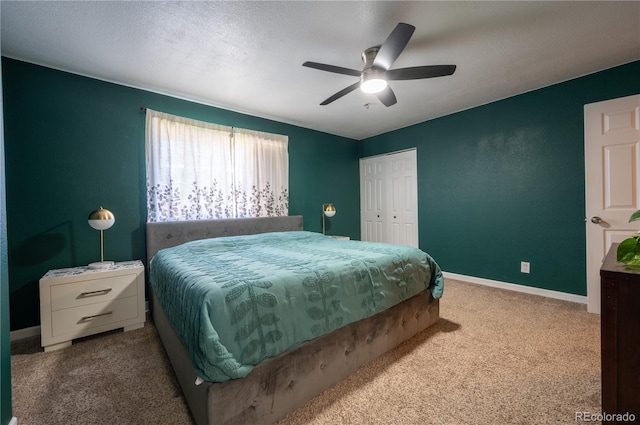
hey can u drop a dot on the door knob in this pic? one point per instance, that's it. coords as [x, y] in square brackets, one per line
[596, 220]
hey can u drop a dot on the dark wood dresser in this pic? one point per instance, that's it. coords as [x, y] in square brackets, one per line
[620, 337]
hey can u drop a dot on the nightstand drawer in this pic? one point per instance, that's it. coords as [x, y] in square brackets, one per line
[70, 295]
[73, 320]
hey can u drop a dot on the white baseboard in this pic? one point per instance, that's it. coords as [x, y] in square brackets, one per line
[35, 330]
[580, 299]
[13, 421]
[25, 333]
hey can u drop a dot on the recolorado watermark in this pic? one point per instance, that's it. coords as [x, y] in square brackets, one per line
[604, 417]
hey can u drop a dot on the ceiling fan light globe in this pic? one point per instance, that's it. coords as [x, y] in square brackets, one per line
[373, 85]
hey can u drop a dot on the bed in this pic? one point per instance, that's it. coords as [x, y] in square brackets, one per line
[264, 387]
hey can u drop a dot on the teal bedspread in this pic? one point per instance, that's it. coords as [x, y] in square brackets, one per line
[236, 301]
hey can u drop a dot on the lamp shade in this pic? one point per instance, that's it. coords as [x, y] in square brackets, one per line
[329, 210]
[101, 219]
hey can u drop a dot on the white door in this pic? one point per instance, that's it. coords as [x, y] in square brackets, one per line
[612, 162]
[389, 198]
[372, 192]
[403, 199]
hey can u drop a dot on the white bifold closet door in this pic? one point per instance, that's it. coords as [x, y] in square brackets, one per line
[389, 198]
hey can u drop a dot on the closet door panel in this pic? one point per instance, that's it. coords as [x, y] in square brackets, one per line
[389, 198]
[372, 194]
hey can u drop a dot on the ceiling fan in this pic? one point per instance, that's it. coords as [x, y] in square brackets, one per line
[376, 73]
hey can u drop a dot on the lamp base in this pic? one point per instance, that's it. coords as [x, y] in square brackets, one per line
[101, 265]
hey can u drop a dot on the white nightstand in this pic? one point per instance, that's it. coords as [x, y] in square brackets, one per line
[342, 238]
[79, 301]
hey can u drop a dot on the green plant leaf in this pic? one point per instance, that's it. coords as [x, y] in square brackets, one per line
[629, 251]
[635, 216]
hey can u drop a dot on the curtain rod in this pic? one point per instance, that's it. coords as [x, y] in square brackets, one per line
[144, 109]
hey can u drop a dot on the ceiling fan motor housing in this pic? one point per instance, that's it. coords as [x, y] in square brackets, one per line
[368, 57]
[370, 72]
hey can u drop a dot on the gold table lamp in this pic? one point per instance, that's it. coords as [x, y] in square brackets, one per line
[327, 210]
[102, 220]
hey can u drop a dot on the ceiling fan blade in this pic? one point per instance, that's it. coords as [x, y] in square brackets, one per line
[341, 93]
[418, 72]
[393, 46]
[332, 68]
[387, 97]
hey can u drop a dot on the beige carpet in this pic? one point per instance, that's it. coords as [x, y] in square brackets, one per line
[495, 357]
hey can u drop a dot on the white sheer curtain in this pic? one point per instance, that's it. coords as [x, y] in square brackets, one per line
[197, 171]
[261, 173]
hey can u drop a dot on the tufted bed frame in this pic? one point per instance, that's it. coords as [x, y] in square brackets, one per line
[286, 382]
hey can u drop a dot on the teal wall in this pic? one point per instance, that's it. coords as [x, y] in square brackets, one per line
[504, 182]
[5, 344]
[75, 143]
[498, 184]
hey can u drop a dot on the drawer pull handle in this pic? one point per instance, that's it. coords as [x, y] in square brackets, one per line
[95, 316]
[98, 292]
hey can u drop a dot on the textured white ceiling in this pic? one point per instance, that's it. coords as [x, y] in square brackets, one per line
[247, 56]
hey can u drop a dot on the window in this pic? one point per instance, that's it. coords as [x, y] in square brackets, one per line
[198, 170]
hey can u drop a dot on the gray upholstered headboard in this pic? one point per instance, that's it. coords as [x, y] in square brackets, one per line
[171, 233]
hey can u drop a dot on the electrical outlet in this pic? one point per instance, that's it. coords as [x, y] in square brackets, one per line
[525, 267]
